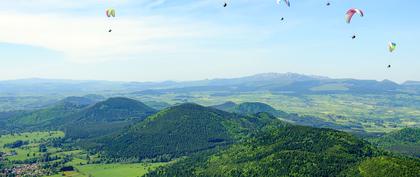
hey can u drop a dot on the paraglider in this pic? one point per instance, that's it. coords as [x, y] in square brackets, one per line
[285, 1]
[392, 46]
[226, 3]
[350, 13]
[328, 3]
[110, 13]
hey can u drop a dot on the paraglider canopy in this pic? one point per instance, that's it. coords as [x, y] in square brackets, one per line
[350, 13]
[392, 46]
[110, 12]
[285, 1]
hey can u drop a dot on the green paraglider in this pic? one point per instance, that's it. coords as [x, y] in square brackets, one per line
[392, 46]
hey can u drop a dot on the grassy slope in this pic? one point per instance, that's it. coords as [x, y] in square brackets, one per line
[34, 139]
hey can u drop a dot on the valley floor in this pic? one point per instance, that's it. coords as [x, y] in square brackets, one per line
[37, 156]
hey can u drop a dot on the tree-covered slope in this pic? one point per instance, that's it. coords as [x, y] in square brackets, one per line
[246, 108]
[42, 118]
[386, 166]
[81, 117]
[114, 109]
[104, 118]
[253, 108]
[227, 106]
[405, 141]
[181, 130]
[294, 151]
[406, 135]
[249, 108]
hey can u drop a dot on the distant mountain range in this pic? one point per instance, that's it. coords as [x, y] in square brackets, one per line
[273, 82]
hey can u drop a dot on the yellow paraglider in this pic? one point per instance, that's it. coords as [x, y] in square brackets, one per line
[110, 13]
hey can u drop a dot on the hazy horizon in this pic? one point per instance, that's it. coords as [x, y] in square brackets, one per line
[194, 40]
[215, 78]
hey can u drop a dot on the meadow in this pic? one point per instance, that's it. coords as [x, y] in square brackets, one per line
[30, 153]
[110, 170]
[30, 150]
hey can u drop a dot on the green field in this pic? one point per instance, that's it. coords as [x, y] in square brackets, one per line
[32, 137]
[32, 149]
[374, 113]
[111, 170]
[79, 162]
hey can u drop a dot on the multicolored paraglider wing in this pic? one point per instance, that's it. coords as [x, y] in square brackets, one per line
[110, 12]
[350, 13]
[392, 46]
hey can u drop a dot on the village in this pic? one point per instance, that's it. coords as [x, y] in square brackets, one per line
[24, 170]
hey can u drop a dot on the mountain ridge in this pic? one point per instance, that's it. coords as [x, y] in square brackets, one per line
[273, 82]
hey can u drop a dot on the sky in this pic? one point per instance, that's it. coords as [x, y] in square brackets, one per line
[158, 40]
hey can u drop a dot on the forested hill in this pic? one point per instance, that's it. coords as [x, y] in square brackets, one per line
[405, 141]
[227, 106]
[104, 118]
[249, 108]
[82, 117]
[45, 117]
[114, 109]
[294, 151]
[182, 130]
[406, 135]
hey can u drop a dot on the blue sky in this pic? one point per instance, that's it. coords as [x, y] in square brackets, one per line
[156, 40]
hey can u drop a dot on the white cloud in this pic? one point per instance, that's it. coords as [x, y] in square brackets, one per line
[81, 35]
[58, 4]
[85, 39]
